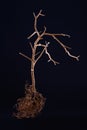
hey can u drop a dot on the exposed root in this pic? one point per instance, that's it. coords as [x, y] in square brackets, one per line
[30, 105]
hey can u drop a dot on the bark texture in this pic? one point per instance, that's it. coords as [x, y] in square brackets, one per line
[30, 105]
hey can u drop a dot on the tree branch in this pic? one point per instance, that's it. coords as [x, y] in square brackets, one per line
[66, 50]
[53, 35]
[64, 46]
[59, 34]
[46, 51]
[31, 35]
[37, 53]
[43, 32]
[25, 56]
[75, 57]
[35, 21]
[31, 46]
[49, 56]
[39, 56]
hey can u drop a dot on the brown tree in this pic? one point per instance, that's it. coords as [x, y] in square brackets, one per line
[32, 103]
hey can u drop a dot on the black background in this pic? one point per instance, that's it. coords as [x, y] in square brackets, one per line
[63, 85]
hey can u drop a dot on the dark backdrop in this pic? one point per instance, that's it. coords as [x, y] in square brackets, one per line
[63, 85]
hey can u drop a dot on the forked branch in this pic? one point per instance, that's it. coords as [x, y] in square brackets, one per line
[40, 37]
[35, 21]
[47, 53]
[66, 48]
[53, 35]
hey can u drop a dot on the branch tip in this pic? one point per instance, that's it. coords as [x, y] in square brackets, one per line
[25, 56]
[34, 15]
[31, 35]
[66, 35]
[78, 57]
[40, 13]
[31, 45]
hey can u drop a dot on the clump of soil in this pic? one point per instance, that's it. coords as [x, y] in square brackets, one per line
[30, 105]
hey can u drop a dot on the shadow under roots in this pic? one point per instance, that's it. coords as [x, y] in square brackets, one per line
[30, 105]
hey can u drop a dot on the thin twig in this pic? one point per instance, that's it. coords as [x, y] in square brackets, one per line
[25, 56]
[65, 48]
[31, 45]
[37, 53]
[43, 32]
[59, 34]
[75, 57]
[49, 56]
[31, 35]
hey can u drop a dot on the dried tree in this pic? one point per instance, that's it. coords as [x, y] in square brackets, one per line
[32, 103]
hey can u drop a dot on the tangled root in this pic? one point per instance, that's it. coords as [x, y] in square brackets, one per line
[30, 105]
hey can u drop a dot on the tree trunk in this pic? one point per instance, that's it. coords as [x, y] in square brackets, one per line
[32, 70]
[33, 77]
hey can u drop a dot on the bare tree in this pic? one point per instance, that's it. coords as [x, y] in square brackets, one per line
[32, 103]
